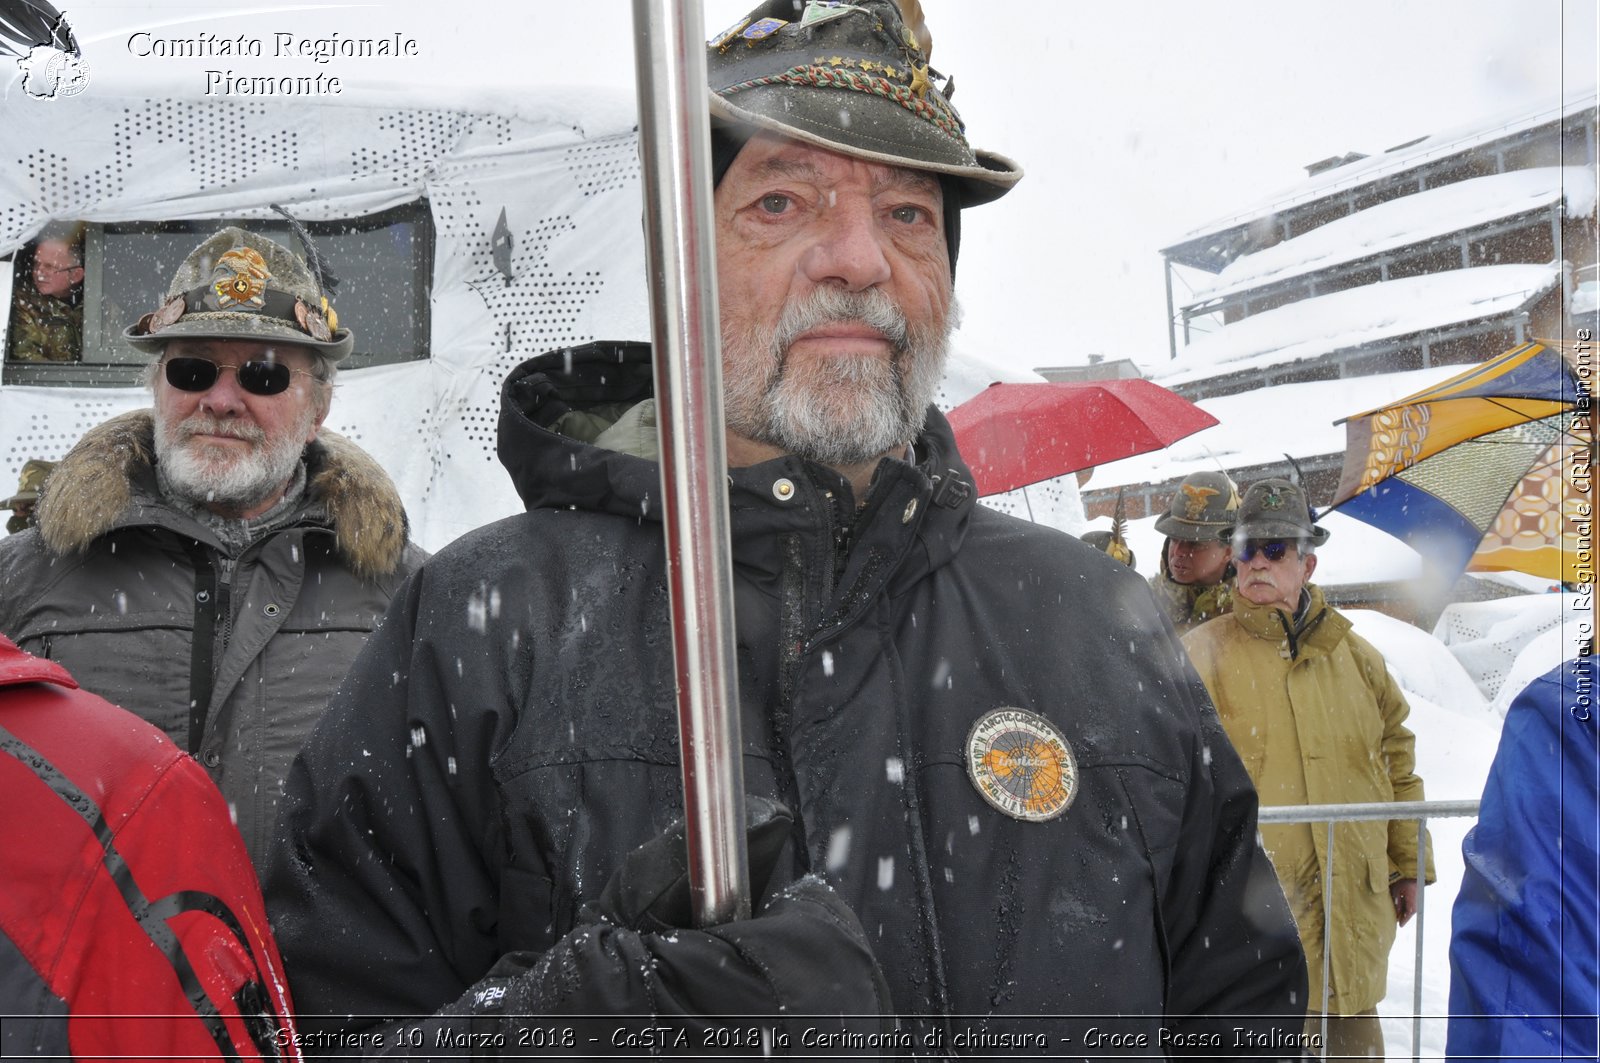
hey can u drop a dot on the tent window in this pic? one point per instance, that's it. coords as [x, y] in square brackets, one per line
[383, 262]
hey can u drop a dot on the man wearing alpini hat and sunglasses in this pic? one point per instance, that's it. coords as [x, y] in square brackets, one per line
[1314, 713]
[988, 794]
[214, 563]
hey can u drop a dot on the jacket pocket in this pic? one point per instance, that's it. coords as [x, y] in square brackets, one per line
[527, 922]
[1378, 875]
[1157, 804]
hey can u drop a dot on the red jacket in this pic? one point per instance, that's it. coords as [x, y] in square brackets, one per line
[131, 923]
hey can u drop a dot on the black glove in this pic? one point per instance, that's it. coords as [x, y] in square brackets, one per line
[792, 970]
[796, 979]
[650, 890]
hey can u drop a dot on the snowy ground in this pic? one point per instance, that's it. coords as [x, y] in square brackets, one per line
[1456, 737]
[1458, 694]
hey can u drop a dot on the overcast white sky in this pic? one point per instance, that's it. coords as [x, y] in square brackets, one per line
[1136, 122]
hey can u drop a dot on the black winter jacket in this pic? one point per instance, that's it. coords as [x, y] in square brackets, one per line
[509, 734]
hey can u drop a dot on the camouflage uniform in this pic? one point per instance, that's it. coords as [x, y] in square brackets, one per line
[25, 501]
[44, 328]
[1200, 510]
[1188, 605]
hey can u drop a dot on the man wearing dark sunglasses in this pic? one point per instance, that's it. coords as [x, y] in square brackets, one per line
[1317, 719]
[215, 562]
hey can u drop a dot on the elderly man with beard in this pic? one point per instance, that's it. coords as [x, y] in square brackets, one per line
[1312, 709]
[987, 793]
[214, 563]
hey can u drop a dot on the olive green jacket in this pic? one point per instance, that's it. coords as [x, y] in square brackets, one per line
[1331, 686]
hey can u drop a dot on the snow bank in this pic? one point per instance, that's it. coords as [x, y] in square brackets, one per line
[1422, 665]
[1488, 637]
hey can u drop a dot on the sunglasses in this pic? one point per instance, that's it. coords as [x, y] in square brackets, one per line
[258, 378]
[1271, 549]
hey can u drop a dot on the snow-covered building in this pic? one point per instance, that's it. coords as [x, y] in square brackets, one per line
[1433, 254]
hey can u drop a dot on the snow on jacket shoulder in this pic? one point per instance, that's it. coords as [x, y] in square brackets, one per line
[131, 924]
[115, 581]
[509, 735]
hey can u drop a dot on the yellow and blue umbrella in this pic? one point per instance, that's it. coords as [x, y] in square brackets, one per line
[1489, 469]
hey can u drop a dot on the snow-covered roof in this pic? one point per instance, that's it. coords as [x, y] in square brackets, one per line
[1409, 220]
[1358, 316]
[1257, 427]
[1365, 171]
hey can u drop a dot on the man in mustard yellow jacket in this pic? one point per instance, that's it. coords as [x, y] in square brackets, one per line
[1317, 719]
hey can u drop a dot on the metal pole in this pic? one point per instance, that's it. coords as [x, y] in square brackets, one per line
[1416, 969]
[1421, 811]
[675, 137]
[1327, 938]
[1172, 324]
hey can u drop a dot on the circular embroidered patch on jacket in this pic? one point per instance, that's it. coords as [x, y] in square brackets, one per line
[1021, 764]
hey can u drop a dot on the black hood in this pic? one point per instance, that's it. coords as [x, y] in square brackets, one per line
[553, 471]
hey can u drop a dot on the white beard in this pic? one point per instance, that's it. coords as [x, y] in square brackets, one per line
[222, 479]
[838, 410]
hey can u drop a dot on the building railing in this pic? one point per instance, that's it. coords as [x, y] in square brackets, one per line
[1421, 811]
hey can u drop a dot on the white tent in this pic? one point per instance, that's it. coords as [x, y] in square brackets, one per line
[566, 178]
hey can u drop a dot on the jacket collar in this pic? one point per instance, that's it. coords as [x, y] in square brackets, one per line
[918, 510]
[107, 481]
[1318, 631]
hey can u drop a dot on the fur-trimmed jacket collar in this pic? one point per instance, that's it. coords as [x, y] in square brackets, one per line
[99, 482]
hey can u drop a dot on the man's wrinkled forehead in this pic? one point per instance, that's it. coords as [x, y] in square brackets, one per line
[802, 162]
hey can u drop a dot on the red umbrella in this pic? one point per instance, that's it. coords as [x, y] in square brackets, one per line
[1013, 435]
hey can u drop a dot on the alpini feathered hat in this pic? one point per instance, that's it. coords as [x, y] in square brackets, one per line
[1277, 509]
[239, 285]
[854, 78]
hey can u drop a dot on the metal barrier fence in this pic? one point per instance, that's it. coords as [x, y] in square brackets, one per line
[1421, 811]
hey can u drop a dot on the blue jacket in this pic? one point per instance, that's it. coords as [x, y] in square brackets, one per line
[1523, 956]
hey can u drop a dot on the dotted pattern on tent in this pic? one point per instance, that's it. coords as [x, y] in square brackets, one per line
[202, 128]
[600, 167]
[419, 138]
[49, 436]
[198, 127]
[1487, 636]
[430, 434]
[540, 308]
